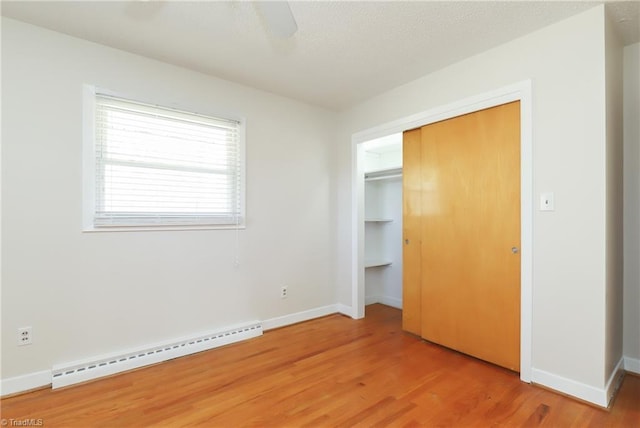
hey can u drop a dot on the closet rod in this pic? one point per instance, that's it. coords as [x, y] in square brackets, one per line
[383, 177]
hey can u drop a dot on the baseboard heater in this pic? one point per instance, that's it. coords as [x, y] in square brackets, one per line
[105, 365]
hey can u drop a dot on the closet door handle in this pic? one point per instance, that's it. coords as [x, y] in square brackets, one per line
[515, 250]
[406, 242]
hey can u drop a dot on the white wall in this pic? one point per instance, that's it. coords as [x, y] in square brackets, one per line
[86, 294]
[566, 64]
[614, 177]
[631, 99]
[387, 160]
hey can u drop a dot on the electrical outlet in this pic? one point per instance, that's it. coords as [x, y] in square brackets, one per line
[25, 336]
[283, 292]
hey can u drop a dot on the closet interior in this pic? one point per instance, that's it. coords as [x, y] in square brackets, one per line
[383, 220]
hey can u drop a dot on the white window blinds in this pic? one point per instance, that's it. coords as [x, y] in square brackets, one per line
[158, 166]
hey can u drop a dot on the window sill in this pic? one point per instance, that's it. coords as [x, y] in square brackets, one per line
[92, 229]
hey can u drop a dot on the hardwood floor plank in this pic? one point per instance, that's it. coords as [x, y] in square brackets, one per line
[332, 371]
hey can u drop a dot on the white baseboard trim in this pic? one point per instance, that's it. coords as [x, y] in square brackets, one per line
[632, 365]
[568, 386]
[370, 300]
[614, 381]
[598, 396]
[344, 310]
[297, 317]
[14, 385]
[385, 300]
[391, 301]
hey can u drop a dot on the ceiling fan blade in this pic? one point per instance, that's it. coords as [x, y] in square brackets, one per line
[278, 17]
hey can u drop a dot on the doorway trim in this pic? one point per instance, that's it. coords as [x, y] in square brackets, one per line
[520, 91]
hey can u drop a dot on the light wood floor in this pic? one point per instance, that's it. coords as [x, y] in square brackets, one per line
[333, 371]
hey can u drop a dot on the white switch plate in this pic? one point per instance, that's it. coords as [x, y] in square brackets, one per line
[546, 201]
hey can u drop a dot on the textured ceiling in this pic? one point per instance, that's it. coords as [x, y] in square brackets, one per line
[344, 52]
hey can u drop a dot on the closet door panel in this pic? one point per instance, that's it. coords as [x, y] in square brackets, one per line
[470, 234]
[411, 218]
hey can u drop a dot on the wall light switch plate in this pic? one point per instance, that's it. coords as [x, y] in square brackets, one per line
[546, 202]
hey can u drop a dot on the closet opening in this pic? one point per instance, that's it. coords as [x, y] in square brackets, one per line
[382, 176]
[520, 91]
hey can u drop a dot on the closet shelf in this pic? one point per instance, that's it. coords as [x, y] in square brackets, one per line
[376, 263]
[383, 174]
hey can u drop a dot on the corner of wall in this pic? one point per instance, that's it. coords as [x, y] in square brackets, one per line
[631, 112]
[632, 365]
[614, 200]
[599, 396]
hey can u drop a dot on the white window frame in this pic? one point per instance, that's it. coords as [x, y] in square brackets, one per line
[89, 168]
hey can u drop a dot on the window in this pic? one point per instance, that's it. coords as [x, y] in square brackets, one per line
[155, 166]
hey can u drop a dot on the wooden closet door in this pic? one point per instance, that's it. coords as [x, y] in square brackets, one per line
[470, 234]
[411, 231]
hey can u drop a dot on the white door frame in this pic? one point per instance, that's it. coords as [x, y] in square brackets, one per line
[520, 91]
